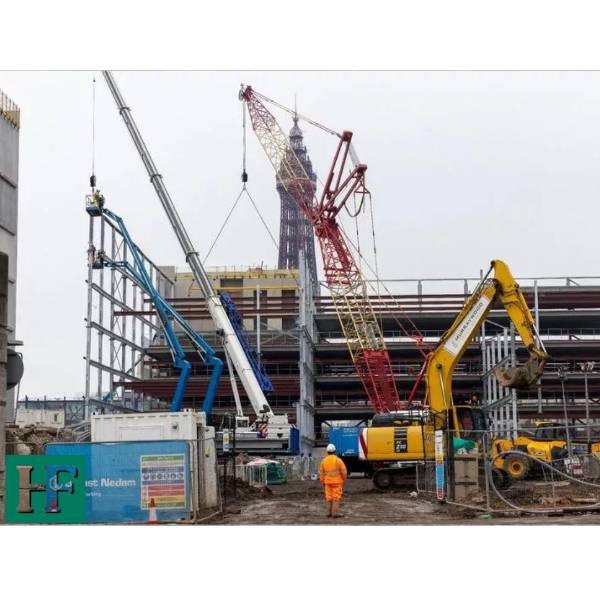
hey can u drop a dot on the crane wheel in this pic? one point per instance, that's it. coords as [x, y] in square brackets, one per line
[383, 480]
[501, 479]
[516, 466]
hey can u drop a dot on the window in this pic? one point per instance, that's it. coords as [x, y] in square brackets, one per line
[228, 283]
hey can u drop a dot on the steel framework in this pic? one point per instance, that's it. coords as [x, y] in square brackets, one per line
[346, 283]
[116, 353]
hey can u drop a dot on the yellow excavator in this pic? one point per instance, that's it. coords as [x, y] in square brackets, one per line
[395, 441]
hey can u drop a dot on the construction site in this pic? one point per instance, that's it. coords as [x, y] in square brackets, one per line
[277, 393]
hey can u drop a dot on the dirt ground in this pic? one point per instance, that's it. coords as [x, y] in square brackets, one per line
[301, 503]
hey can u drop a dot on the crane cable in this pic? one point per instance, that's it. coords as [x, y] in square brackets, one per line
[355, 219]
[224, 223]
[261, 218]
[374, 242]
[417, 338]
[243, 191]
[354, 157]
[244, 173]
[296, 114]
[93, 176]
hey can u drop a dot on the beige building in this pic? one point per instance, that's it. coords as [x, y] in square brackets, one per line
[249, 283]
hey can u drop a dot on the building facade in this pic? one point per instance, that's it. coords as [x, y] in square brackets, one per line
[9, 185]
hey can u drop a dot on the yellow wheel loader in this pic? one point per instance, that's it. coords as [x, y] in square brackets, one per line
[548, 442]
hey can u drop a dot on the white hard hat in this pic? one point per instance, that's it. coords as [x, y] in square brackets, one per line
[330, 448]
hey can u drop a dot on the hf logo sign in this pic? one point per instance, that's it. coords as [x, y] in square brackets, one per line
[45, 489]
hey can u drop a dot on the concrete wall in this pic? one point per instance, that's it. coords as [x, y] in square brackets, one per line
[40, 416]
[9, 176]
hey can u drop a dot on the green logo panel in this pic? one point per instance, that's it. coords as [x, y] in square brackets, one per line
[45, 489]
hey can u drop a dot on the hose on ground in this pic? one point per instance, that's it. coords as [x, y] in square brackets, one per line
[544, 465]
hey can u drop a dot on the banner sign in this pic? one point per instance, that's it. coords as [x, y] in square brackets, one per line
[122, 478]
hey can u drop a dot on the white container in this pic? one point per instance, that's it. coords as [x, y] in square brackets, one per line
[140, 427]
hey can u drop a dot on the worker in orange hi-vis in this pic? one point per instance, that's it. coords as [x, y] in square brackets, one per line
[332, 473]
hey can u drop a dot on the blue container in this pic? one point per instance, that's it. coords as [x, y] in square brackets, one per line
[345, 440]
[123, 477]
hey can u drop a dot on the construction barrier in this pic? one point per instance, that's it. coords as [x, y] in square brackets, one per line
[299, 468]
[476, 479]
[253, 475]
[122, 482]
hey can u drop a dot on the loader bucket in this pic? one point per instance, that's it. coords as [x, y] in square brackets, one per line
[523, 376]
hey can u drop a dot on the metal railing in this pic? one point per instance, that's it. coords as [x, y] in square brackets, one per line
[253, 475]
[299, 468]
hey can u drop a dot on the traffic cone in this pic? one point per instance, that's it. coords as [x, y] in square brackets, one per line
[152, 518]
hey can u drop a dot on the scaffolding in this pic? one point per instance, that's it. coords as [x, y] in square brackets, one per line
[305, 409]
[116, 344]
[500, 403]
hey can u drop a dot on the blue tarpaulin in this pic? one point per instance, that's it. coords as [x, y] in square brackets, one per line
[123, 479]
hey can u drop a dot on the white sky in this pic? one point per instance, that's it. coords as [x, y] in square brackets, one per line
[463, 166]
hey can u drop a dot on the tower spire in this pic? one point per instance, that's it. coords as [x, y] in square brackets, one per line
[295, 108]
[295, 232]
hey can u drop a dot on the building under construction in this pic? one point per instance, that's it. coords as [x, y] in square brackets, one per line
[296, 326]
[299, 340]
[449, 376]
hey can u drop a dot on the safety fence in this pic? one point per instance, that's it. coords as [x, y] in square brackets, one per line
[552, 469]
[256, 472]
[252, 475]
[299, 468]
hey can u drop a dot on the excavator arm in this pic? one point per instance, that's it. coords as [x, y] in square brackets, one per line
[451, 347]
[512, 298]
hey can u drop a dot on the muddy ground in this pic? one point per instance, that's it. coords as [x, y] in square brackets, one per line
[301, 503]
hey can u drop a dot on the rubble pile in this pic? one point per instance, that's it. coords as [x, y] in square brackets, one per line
[32, 439]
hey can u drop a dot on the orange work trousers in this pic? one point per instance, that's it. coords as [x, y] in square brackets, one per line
[333, 491]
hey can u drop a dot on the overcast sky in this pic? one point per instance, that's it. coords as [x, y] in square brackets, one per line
[464, 167]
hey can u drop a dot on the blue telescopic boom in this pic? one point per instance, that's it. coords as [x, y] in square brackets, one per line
[166, 314]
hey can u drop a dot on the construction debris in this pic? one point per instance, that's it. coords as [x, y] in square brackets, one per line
[32, 439]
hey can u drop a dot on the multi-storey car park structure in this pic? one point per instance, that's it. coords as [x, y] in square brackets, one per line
[299, 340]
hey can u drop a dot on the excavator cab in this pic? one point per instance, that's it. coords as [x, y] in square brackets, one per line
[472, 423]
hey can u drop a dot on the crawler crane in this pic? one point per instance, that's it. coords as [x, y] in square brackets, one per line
[345, 280]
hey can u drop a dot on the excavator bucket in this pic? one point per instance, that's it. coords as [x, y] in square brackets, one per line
[523, 376]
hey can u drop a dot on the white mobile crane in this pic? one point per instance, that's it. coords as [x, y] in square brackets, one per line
[278, 430]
